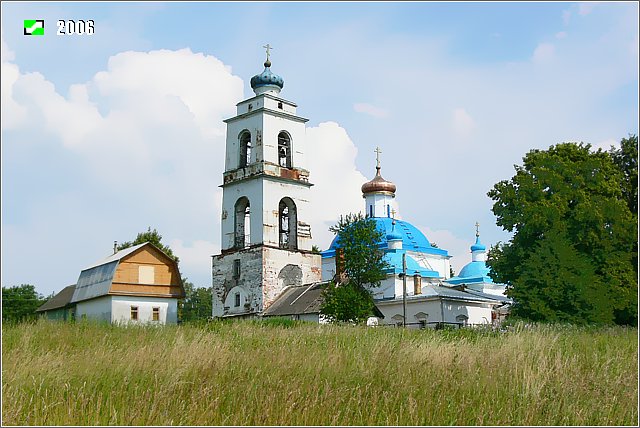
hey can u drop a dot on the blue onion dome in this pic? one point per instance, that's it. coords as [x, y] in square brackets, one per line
[393, 235]
[478, 246]
[267, 79]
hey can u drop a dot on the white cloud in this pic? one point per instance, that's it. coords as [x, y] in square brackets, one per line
[605, 145]
[370, 110]
[195, 259]
[463, 123]
[458, 248]
[561, 35]
[336, 179]
[544, 52]
[586, 8]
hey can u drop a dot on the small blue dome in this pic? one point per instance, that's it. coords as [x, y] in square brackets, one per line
[474, 270]
[478, 246]
[394, 235]
[267, 78]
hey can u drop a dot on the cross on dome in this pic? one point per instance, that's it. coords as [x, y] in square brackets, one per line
[268, 47]
[477, 229]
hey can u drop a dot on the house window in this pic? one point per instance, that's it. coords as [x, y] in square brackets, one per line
[146, 274]
[284, 150]
[236, 268]
[287, 220]
[155, 314]
[237, 302]
[417, 284]
[134, 313]
[245, 148]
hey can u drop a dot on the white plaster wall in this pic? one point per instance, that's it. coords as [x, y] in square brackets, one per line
[476, 313]
[271, 127]
[252, 123]
[121, 309]
[379, 202]
[273, 192]
[275, 260]
[230, 301]
[328, 268]
[95, 309]
[252, 190]
[432, 262]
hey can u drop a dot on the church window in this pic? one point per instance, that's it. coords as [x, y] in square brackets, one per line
[388, 210]
[462, 320]
[242, 231]
[287, 221]
[155, 314]
[236, 268]
[250, 107]
[284, 150]
[134, 313]
[417, 284]
[370, 210]
[237, 300]
[280, 105]
[245, 148]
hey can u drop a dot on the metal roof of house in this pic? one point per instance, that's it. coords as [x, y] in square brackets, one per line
[302, 299]
[95, 280]
[60, 300]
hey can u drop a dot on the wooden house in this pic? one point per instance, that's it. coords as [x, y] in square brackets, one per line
[139, 284]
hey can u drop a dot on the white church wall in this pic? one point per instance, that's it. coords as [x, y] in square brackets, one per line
[252, 190]
[432, 262]
[272, 126]
[432, 309]
[234, 128]
[376, 204]
[275, 278]
[273, 192]
[249, 278]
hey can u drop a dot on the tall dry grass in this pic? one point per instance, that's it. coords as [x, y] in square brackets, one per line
[248, 373]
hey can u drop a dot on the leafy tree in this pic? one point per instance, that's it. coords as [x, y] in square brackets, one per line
[20, 302]
[626, 158]
[197, 304]
[358, 238]
[349, 299]
[346, 303]
[149, 236]
[575, 194]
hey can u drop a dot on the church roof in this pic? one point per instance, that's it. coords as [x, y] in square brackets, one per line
[267, 78]
[378, 184]
[412, 238]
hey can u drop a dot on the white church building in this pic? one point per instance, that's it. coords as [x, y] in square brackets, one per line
[266, 255]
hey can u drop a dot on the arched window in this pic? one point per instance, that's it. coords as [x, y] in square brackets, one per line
[242, 230]
[284, 150]
[288, 221]
[245, 148]
[462, 319]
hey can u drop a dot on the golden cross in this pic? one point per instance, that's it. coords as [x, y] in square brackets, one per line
[378, 151]
[268, 48]
[477, 229]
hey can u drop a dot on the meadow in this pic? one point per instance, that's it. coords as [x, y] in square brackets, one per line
[252, 373]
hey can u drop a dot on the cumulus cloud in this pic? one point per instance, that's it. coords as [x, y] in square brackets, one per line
[561, 35]
[371, 110]
[458, 248]
[544, 52]
[336, 179]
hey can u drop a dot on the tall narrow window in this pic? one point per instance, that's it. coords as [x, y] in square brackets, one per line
[155, 314]
[284, 150]
[288, 221]
[237, 298]
[236, 268]
[370, 210]
[245, 148]
[242, 231]
[134, 313]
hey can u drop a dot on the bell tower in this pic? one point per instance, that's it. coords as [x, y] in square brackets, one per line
[265, 242]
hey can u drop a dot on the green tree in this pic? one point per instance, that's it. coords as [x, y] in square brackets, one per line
[626, 158]
[363, 264]
[346, 303]
[20, 302]
[197, 303]
[149, 236]
[575, 194]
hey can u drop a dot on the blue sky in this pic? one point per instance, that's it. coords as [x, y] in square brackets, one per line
[455, 94]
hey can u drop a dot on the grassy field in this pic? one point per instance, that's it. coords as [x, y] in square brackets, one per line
[247, 373]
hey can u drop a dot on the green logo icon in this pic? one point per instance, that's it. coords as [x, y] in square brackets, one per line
[34, 27]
